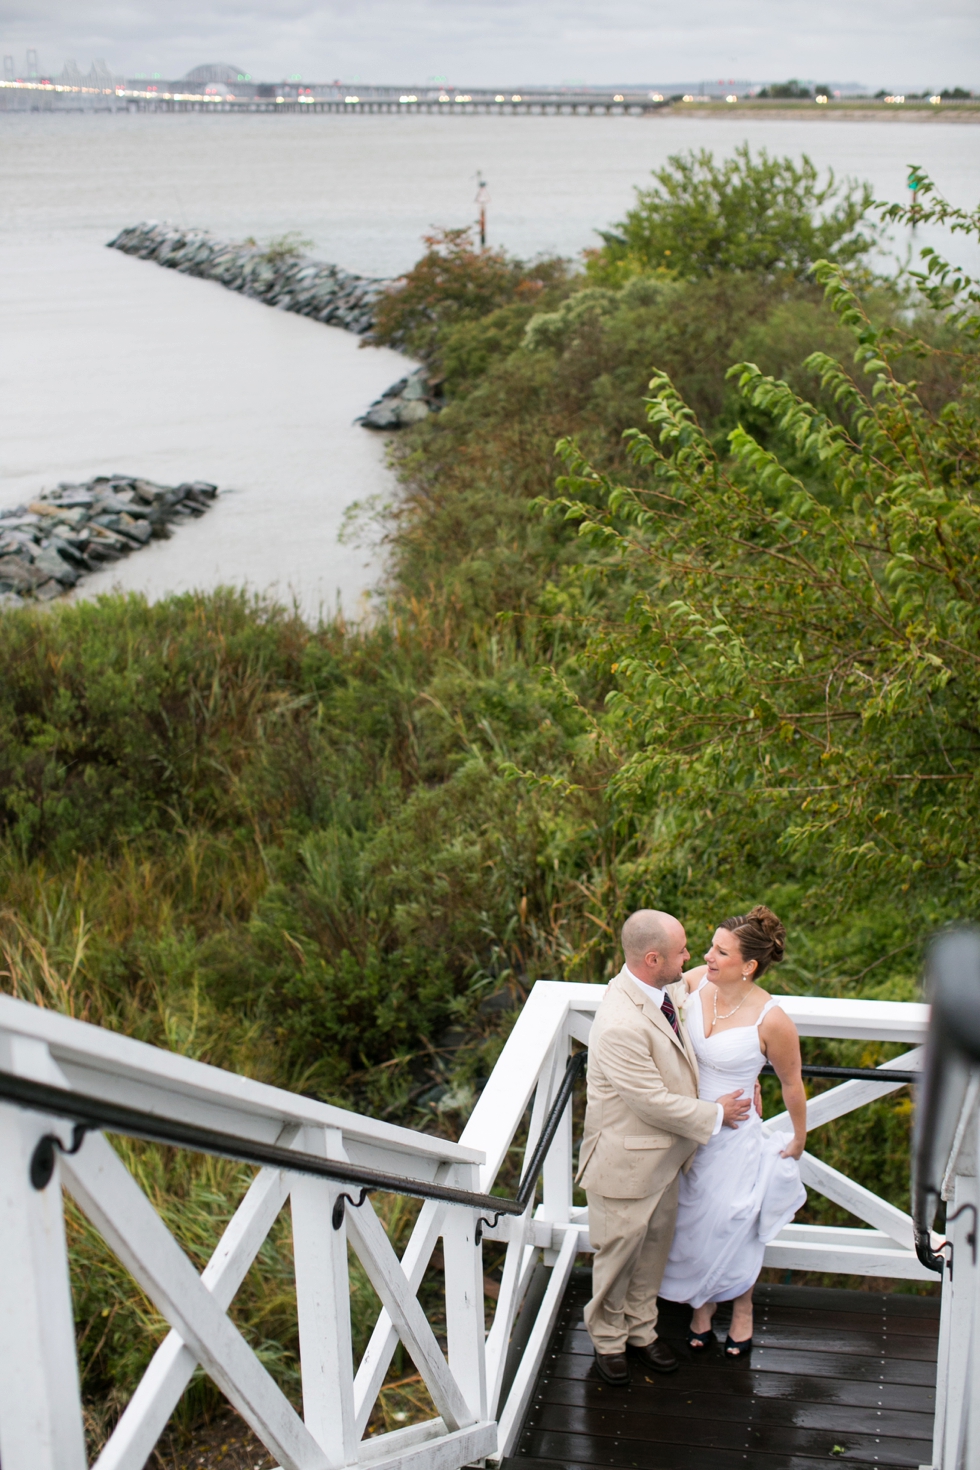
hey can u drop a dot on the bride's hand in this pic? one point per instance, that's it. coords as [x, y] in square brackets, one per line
[794, 1150]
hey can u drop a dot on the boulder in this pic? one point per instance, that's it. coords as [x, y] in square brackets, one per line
[17, 574]
[50, 563]
[408, 401]
[412, 411]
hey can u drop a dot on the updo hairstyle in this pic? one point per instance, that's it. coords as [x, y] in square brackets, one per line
[760, 936]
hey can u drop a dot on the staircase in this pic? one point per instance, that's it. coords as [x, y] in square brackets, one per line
[843, 1375]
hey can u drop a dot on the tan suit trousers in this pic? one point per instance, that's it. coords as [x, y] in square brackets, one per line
[632, 1239]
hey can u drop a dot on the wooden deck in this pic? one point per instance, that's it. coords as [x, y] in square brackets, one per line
[845, 1376]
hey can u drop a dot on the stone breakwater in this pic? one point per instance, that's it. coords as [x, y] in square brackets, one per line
[289, 281]
[408, 401]
[286, 279]
[48, 545]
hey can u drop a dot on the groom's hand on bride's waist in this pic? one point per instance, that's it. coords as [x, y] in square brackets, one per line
[735, 1108]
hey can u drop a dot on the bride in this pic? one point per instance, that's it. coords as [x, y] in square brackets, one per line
[744, 1185]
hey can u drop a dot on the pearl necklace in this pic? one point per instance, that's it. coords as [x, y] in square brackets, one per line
[729, 1013]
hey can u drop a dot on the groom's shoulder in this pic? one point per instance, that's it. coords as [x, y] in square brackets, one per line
[617, 1004]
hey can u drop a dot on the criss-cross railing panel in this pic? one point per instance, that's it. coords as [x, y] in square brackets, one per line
[41, 1425]
[479, 1393]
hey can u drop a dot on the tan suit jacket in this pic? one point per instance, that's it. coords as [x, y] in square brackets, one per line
[644, 1120]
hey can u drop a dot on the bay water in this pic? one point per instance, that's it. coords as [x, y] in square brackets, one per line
[112, 364]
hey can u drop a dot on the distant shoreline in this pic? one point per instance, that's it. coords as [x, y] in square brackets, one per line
[845, 109]
[840, 113]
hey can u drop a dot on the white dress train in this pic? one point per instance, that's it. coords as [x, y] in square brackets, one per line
[738, 1193]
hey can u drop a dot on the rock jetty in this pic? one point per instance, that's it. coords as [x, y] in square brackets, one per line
[291, 281]
[283, 278]
[408, 401]
[48, 545]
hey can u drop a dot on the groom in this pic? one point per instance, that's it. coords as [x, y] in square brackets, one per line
[643, 1124]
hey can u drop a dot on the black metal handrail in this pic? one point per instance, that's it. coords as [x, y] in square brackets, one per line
[852, 1074]
[525, 1189]
[952, 1050]
[89, 1114]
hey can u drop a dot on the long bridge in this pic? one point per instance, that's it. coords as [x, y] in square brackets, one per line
[143, 96]
[875, 1378]
[225, 89]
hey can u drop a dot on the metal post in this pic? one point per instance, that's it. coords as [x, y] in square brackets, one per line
[482, 199]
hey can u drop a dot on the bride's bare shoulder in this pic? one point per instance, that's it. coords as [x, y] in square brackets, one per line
[692, 978]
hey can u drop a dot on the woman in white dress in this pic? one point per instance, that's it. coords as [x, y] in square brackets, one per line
[744, 1185]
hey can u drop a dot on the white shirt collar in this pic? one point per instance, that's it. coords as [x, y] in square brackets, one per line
[650, 992]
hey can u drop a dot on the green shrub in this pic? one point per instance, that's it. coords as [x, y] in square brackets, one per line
[768, 216]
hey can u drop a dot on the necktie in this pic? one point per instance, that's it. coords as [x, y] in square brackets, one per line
[670, 1014]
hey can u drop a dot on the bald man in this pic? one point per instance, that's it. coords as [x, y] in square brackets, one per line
[643, 1123]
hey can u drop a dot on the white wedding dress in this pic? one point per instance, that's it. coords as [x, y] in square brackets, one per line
[738, 1193]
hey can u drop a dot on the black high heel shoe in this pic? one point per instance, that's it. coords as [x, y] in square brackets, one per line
[700, 1340]
[735, 1349]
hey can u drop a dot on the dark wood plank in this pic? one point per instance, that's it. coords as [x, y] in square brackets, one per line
[833, 1299]
[667, 1457]
[567, 1371]
[664, 1458]
[836, 1376]
[829, 1339]
[748, 1450]
[832, 1339]
[840, 1365]
[586, 1425]
[889, 1322]
[642, 1400]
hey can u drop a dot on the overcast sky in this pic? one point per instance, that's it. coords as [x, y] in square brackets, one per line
[898, 44]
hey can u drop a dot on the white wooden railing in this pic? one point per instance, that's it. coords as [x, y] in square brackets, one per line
[40, 1412]
[479, 1414]
[557, 1014]
[956, 1441]
[946, 1164]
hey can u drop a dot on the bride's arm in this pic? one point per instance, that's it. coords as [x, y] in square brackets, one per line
[692, 978]
[781, 1043]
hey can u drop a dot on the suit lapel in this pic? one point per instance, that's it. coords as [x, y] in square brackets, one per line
[655, 1014]
[686, 1038]
[651, 1009]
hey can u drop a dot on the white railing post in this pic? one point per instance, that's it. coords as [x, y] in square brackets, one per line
[957, 1394]
[465, 1319]
[971, 1219]
[40, 1405]
[557, 1193]
[323, 1306]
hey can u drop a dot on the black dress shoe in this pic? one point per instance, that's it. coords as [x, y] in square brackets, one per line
[656, 1355]
[613, 1367]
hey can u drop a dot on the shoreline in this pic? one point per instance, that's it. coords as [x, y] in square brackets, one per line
[782, 110]
[841, 113]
